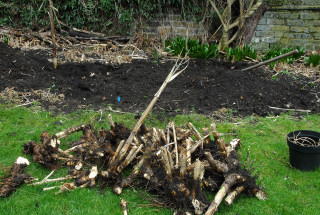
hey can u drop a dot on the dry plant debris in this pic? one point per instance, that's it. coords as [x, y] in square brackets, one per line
[176, 163]
[82, 47]
[11, 95]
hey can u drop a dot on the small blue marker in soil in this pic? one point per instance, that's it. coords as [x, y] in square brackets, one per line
[118, 99]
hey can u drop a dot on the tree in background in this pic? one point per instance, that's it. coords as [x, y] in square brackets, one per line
[231, 27]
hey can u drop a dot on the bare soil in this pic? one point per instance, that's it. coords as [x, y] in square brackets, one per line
[210, 87]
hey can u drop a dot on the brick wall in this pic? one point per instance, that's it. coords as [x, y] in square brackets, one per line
[173, 25]
[289, 23]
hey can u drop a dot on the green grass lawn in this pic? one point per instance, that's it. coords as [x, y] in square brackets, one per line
[290, 191]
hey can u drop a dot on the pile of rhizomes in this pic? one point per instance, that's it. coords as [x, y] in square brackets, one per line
[176, 163]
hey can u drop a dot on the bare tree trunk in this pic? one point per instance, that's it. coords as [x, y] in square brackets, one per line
[250, 25]
[55, 62]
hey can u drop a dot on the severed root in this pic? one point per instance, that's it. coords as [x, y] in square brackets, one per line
[117, 189]
[261, 195]
[85, 178]
[218, 140]
[66, 187]
[16, 177]
[230, 181]
[232, 195]
[46, 156]
[69, 131]
[216, 164]
[124, 205]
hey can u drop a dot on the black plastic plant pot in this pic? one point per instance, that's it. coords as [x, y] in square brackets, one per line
[304, 149]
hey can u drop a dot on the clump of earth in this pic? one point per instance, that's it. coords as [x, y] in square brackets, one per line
[209, 87]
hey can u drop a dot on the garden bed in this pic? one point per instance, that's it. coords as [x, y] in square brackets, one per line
[210, 87]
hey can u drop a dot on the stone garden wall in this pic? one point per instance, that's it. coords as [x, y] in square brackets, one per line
[286, 23]
[173, 25]
[289, 23]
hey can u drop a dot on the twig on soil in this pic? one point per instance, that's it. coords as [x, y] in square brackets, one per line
[28, 103]
[286, 109]
[117, 111]
[271, 60]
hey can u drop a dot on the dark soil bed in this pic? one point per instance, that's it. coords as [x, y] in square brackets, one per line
[206, 87]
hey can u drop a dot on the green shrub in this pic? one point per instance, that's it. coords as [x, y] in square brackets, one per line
[313, 60]
[97, 15]
[241, 53]
[272, 53]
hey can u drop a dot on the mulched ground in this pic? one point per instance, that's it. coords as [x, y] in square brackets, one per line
[207, 86]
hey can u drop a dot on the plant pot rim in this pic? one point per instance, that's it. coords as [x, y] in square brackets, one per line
[303, 133]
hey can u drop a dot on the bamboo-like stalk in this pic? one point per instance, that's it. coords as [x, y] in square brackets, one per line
[166, 163]
[111, 120]
[117, 151]
[55, 62]
[175, 143]
[136, 141]
[214, 131]
[171, 76]
[183, 163]
[188, 143]
[168, 133]
[198, 143]
[194, 131]
[198, 173]
[170, 158]
[217, 139]
[163, 136]
[132, 154]
[156, 136]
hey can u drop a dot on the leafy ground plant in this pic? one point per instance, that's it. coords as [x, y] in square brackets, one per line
[272, 53]
[313, 60]
[263, 139]
[241, 53]
[180, 46]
